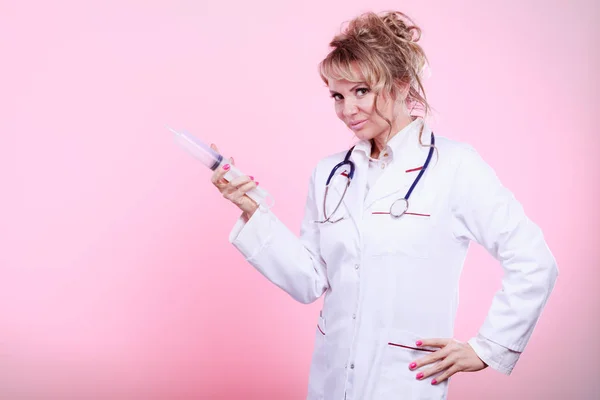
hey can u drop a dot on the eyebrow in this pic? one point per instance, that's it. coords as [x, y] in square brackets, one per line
[353, 87]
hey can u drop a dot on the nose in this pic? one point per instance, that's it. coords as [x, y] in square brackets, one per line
[350, 109]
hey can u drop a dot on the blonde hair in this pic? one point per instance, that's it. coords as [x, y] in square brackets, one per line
[384, 49]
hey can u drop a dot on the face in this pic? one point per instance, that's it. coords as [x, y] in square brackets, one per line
[354, 105]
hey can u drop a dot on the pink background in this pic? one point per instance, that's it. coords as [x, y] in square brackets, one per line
[116, 277]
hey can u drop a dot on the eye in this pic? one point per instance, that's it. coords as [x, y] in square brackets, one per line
[364, 90]
[336, 96]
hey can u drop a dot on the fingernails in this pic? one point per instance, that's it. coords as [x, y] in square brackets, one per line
[251, 177]
[256, 183]
[433, 382]
[419, 343]
[226, 167]
[420, 375]
[413, 365]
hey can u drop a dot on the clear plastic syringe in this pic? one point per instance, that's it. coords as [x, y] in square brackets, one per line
[214, 160]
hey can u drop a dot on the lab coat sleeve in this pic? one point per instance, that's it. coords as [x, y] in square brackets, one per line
[488, 213]
[292, 263]
[496, 356]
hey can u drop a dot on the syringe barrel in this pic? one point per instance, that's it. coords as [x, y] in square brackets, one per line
[210, 158]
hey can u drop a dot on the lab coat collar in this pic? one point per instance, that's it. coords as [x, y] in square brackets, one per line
[396, 143]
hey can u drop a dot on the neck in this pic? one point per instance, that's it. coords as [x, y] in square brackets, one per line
[379, 142]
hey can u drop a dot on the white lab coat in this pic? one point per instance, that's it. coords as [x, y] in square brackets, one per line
[388, 282]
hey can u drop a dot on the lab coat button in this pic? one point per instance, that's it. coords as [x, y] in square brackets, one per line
[356, 266]
[353, 316]
[351, 366]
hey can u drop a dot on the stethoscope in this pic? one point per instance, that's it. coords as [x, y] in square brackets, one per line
[398, 207]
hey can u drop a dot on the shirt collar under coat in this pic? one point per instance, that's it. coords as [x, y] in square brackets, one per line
[397, 144]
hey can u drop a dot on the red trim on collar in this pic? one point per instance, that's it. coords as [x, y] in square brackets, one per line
[414, 169]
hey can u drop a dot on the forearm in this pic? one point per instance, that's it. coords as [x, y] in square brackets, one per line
[279, 255]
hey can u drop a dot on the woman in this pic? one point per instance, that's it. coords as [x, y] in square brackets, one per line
[389, 269]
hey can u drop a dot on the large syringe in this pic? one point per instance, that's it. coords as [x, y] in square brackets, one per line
[214, 160]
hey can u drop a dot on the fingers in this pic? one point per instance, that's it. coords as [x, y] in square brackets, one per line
[454, 357]
[234, 184]
[237, 183]
[447, 374]
[217, 176]
[234, 190]
[236, 193]
[442, 365]
[435, 342]
[431, 358]
[436, 355]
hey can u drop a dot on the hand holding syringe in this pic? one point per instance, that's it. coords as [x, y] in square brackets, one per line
[231, 182]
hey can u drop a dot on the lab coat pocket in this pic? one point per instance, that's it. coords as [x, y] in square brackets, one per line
[319, 364]
[396, 380]
[411, 234]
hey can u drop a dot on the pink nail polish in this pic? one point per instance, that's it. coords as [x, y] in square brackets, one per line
[251, 177]
[420, 375]
[256, 183]
[419, 343]
[413, 365]
[226, 167]
[433, 382]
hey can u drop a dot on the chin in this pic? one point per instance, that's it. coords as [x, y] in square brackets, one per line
[364, 134]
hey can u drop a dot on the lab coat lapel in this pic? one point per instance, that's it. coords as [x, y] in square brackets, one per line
[399, 176]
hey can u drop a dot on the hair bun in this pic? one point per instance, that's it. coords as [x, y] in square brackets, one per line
[402, 26]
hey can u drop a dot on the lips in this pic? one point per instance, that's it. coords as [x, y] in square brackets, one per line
[354, 123]
[357, 124]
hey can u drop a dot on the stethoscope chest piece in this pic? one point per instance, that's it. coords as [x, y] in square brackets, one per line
[398, 208]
